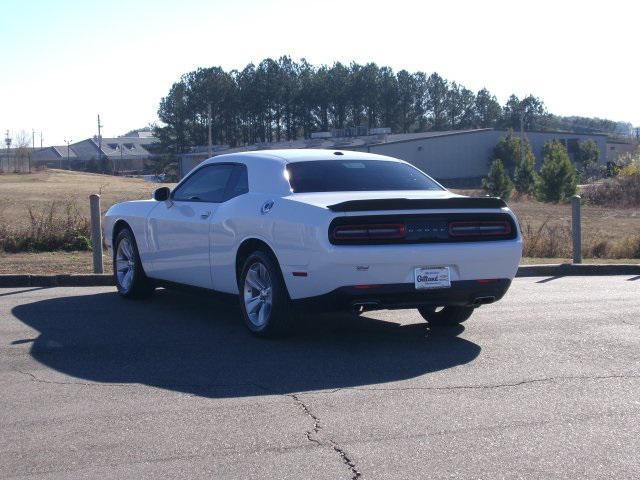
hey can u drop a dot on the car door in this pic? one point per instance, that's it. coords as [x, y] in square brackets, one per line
[179, 227]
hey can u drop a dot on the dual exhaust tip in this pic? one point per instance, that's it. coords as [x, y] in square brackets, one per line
[372, 304]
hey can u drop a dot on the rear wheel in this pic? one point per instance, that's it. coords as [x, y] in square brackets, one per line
[264, 301]
[445, 316]
[129, 275]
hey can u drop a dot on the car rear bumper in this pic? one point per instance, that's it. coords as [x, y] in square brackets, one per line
[405, 295]
[344, 266]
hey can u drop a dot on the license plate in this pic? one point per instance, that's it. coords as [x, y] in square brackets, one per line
[432, 277]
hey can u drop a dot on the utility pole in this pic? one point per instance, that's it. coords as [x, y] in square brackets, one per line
[41, 139]
[210, 147]
[7, 141]
[33, 139]
[99, 141]
[120, 164]
[68, 155]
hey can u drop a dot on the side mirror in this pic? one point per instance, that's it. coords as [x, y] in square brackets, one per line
[161, 194]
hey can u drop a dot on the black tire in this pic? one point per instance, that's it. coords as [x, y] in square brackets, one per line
[447, 316]
[125, 255]
[265, 319]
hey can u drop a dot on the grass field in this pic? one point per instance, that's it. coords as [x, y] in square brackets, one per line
[19, 192]
[39, 190]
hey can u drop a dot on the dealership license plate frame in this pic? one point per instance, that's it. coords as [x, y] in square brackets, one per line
[431, 278]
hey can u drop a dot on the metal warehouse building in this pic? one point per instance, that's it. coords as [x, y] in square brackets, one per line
[457, 158]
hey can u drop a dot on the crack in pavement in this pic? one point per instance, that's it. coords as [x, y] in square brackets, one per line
[479, 387]
[314, 434]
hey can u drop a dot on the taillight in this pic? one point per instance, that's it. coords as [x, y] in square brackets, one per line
[479, 229]
[347, 233]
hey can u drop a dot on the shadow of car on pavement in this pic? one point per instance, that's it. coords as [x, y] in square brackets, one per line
[198, 345]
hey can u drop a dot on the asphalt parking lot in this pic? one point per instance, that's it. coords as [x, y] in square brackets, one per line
[545, 384]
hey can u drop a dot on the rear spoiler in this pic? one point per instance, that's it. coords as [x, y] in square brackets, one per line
[417, 204]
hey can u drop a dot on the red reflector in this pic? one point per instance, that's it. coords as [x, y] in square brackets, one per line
[365, 287]
[487, 280]
[369, 232]
[479, 229]
[299, 274]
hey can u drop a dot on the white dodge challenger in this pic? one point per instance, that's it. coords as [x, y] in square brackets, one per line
[287, 230]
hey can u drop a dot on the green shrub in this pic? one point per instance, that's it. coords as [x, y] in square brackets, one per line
[508, 150]
[587, 154]
[497, 183]
[525, 176]
[558, 176]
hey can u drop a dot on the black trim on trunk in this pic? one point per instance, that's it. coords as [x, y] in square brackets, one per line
[417, 204]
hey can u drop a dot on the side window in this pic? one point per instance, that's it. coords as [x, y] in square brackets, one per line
[239, 182]
[206, 185]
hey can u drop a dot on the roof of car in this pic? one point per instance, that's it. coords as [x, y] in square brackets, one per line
[302, 155]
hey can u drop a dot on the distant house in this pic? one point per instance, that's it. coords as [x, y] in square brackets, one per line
[54, 157]
[125, 154]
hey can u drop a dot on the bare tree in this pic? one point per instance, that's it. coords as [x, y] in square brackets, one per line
[22, 154]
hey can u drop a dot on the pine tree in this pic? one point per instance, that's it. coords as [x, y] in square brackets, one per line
[509, 152]
[497, 183]
[525, 177]
[558, 176]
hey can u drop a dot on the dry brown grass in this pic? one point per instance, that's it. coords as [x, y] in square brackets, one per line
[606, 232]
[49, 210]
[49, 263]
[39, 190]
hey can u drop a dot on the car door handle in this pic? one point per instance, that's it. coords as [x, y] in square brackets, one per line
[206, 214]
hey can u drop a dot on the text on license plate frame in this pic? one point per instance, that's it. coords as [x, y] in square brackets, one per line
[427, 278]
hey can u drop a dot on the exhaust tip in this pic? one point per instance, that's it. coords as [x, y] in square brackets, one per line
[484, 300]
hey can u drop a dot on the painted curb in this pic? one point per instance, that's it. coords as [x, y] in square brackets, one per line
[97, 280]
[72, 280]
[576, 270]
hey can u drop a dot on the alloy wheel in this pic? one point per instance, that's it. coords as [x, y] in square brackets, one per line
[125, 263]
[258, 294]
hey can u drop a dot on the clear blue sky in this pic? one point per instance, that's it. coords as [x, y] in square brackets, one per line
[65, 61]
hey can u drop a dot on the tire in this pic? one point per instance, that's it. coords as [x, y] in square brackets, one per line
[264, 300]
[129, 276]
[447, 316]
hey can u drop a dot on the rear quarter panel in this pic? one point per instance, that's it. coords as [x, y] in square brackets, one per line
[293, 230]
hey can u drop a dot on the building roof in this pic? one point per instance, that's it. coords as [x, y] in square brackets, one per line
[335, 143]
[62, 151]
[118, 147]
[303, 155]
[126, 146]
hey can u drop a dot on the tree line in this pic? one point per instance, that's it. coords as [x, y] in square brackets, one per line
[285, 99]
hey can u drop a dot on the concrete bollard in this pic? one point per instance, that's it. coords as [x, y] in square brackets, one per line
[96, 232]
[576, 229]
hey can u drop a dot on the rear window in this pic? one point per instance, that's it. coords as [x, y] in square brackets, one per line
[356, 175]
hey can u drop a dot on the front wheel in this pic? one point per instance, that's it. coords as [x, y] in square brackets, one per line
[130, 278]
[264, 301]
[445, 316]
